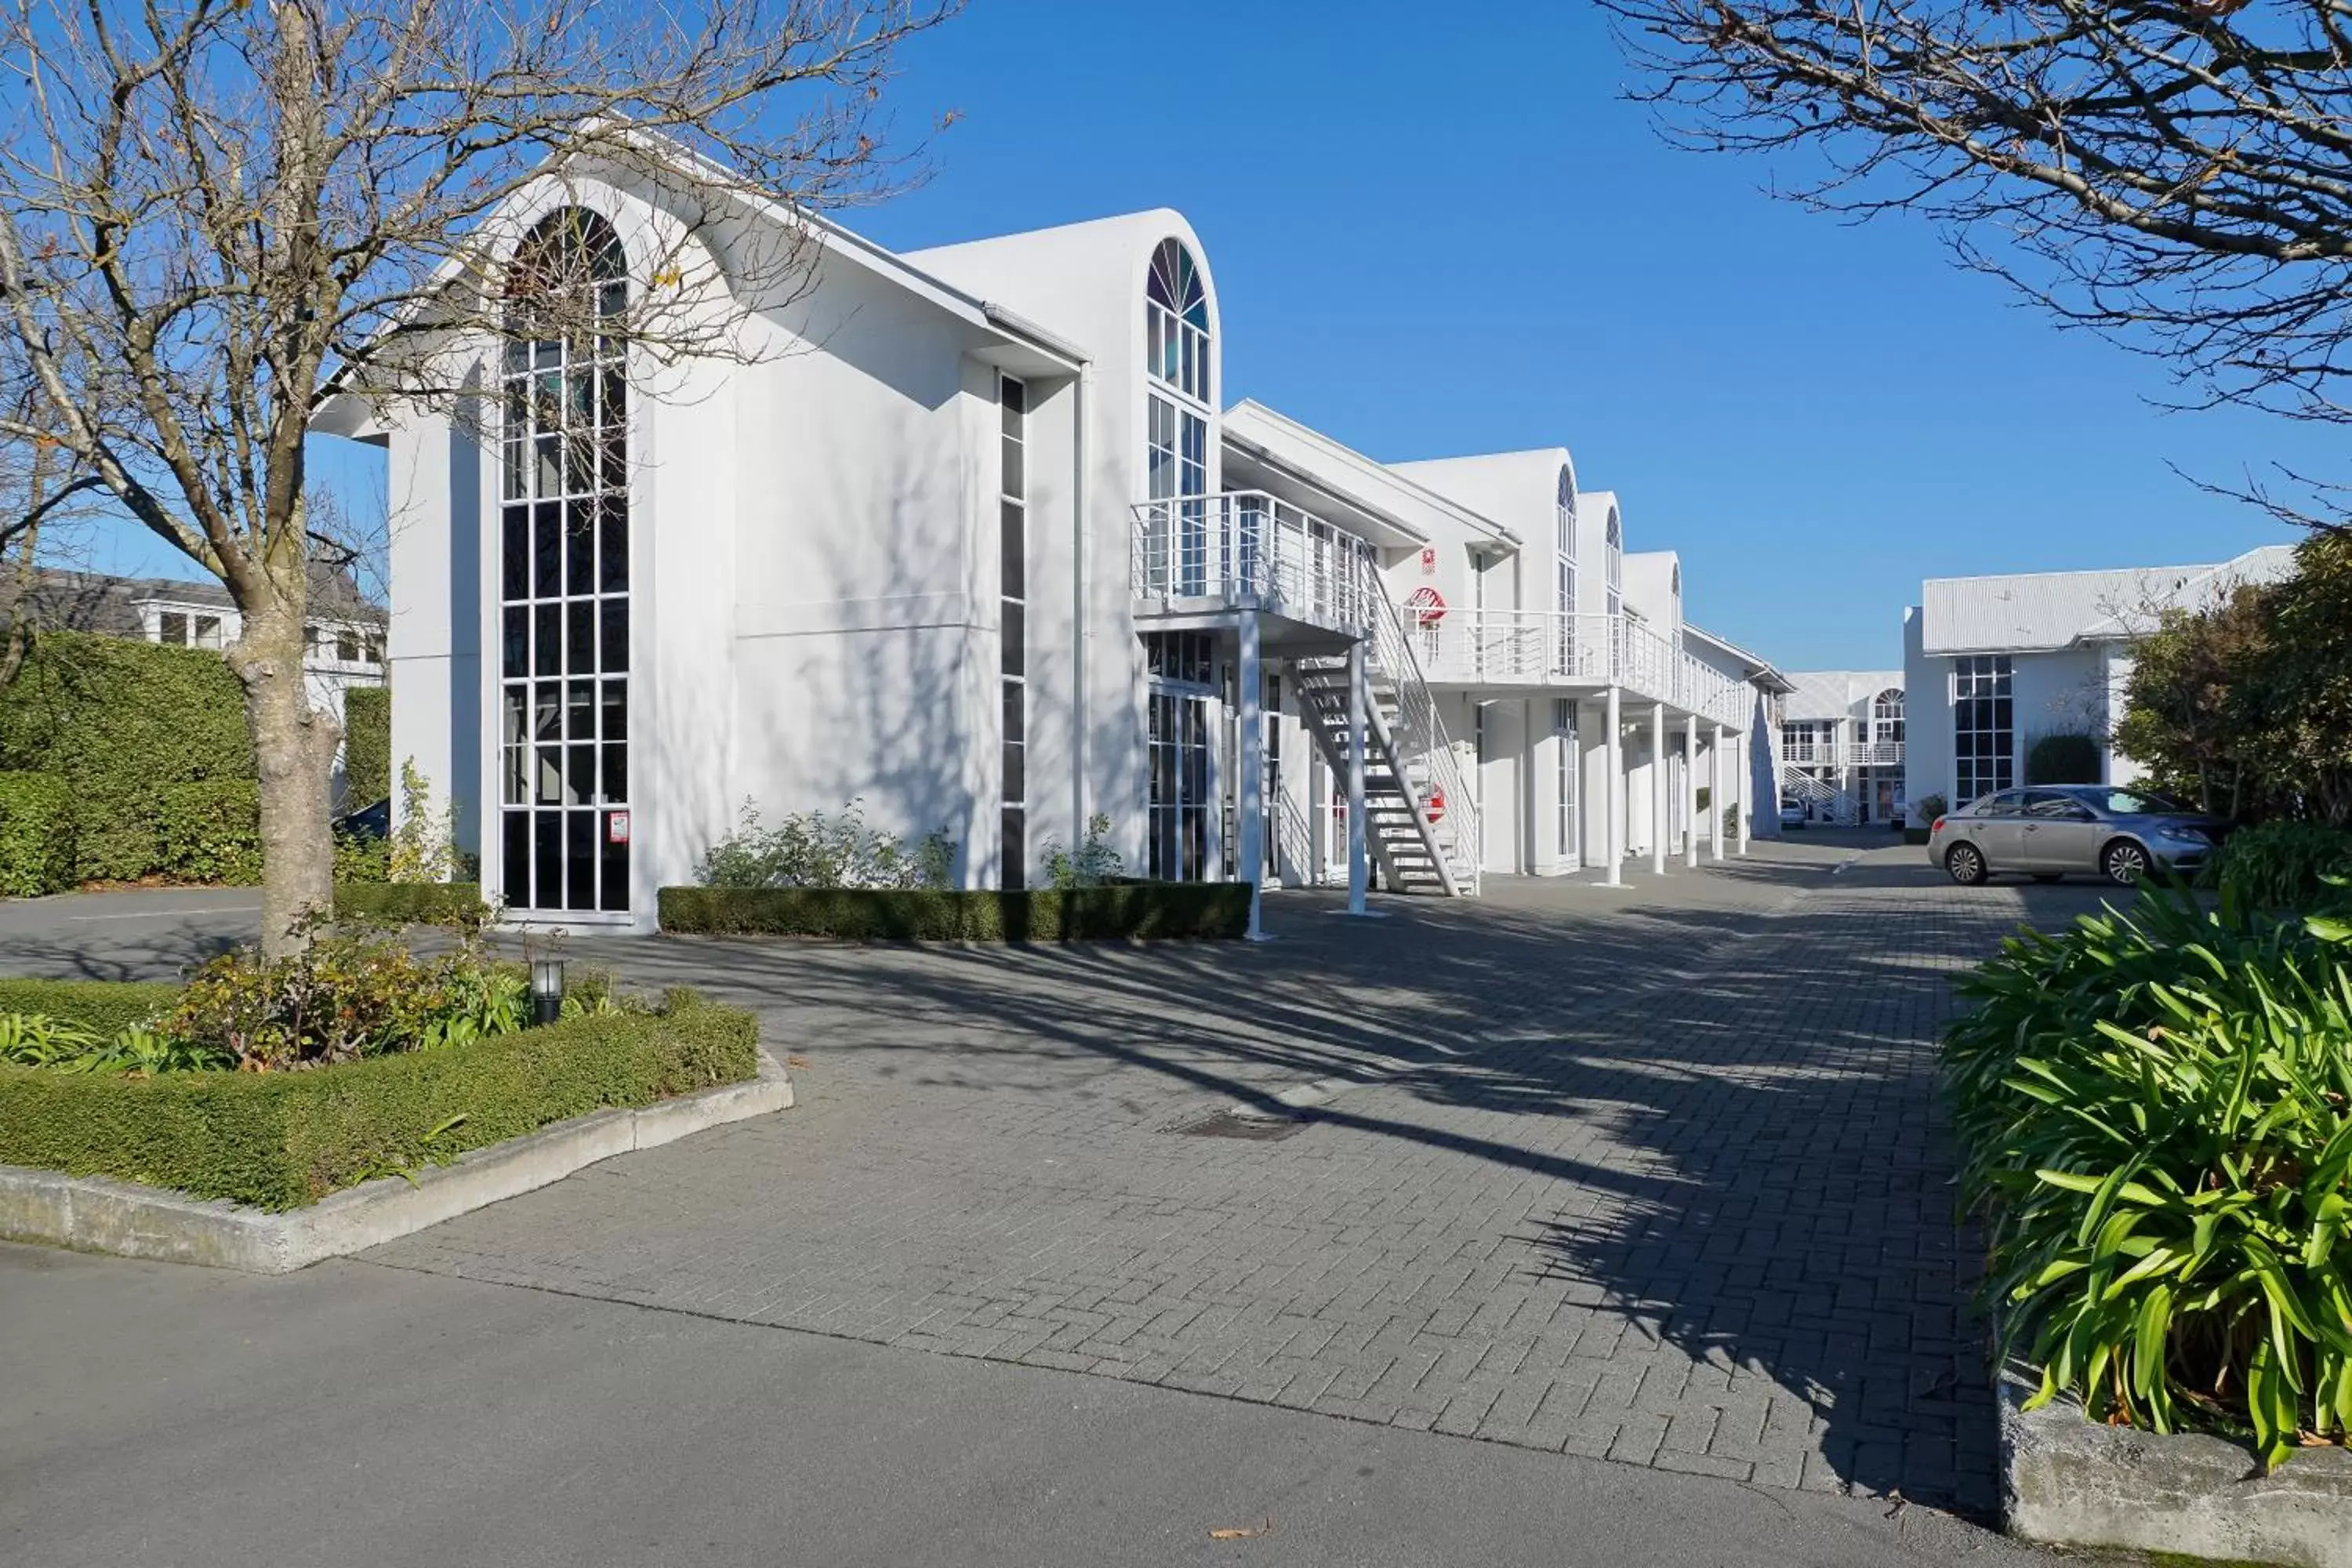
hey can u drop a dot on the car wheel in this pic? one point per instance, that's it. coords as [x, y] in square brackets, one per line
[2125, 862]
[1967, 865]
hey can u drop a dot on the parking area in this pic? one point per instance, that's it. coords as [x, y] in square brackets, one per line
[1653, 1174]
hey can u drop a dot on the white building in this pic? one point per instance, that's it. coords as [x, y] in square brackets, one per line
[1842, 746]
[972, 536]
[1992, 664]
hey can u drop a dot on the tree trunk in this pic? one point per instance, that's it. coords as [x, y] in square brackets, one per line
[294, 751]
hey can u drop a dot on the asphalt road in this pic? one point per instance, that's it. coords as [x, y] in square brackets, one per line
[357, 1414]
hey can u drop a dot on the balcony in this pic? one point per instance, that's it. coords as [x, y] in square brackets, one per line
[1806, 753]
[1247, 550]
[1553, 648]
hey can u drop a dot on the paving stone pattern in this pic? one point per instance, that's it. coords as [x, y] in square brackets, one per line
[1654, 1177]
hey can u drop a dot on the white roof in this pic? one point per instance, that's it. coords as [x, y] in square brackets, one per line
[1836, 693]
[2040, 610]
[1279, 448]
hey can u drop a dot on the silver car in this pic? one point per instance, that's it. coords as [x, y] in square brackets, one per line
[2056, 830]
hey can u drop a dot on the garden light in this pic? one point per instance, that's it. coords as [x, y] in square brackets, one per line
[546, 990]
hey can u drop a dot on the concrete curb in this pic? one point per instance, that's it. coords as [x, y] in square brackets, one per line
[2067, 1481]
[98, 1213]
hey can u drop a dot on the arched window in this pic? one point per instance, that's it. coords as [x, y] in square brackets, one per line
[1564, 553]
[1886, 716]
[1176, 415]
[563, 576]
[1176, 320]
[1614, 566]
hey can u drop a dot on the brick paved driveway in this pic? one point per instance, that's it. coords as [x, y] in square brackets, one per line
[1649, 1175]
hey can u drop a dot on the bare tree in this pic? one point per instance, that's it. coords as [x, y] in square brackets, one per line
[2177, 174]
[216, 216]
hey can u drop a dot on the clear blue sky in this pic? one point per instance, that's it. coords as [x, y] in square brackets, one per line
[1441, 230]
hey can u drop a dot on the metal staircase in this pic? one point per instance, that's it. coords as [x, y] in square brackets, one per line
[1841, 808]
[1420, 844]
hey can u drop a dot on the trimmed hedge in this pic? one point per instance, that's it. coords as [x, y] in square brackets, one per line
[2064, 758]
[209, 831]
[408, 903]
[367, 746]
[278, 1141]
[37, 835]
[104, 1007]
[1149, 911]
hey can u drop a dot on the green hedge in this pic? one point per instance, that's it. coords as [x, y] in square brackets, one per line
[1164, 910]
[37, 835]
[2280, 865]
[2064, 758]
[209, 831]
[278, 1141]
[122, 721]
[105, 1007]
[367, 746]
[419, 903]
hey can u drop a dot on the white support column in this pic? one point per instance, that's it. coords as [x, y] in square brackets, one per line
[1658, 796]
[1746, 770]
[1251, 796]
[1715, 796]
[1690, 792]
[1614, 838]
[1358, 847]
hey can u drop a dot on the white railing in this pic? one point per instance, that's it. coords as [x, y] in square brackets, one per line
[1420, 735]
[1830, 755]
[1543, 647]
[1247, 547]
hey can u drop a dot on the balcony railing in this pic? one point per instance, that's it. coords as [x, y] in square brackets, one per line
[1549, 648]
[1832, 755]
[1245, 547]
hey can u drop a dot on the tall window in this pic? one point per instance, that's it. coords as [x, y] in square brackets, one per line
[1984, 735]
[1176, 417]
[563, 818]
[1615, 564]
[1886, 717]
[1183, 671]
[1563, 732]
[1012, 548]
[1563, 513]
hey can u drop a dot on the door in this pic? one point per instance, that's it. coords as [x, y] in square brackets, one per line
[1998, 831]
[2060, 832]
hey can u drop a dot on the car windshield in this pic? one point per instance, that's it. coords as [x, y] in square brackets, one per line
[2134, 803]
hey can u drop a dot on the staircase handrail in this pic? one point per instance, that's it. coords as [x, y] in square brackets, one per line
[1423, 735]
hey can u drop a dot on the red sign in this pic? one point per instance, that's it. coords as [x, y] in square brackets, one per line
[1429, 561]
[616, 828]
[1436, 807]
[1428, 606]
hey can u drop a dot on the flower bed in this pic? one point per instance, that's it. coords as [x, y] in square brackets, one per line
[279, 1140]
[1121, 911]
[2155, 1114]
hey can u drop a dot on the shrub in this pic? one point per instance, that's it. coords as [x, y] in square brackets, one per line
[424, 845]
[37, 835]
[209, 831]
[2283, 865]
[358, 859]
[1091, 865]
[409, 904]
[2153, 1112]
[119, 720]
[102, 1007]
[813, 849]
[2063, 758]
[1163, 910]
[1928, 807]
[367, 746]
[282, 1140]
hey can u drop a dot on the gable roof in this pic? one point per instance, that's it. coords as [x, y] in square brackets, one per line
[1286, 446]
[2039, 611]
[1835, 693]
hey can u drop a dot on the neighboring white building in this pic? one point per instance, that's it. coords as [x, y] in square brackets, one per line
[1992, 664]
[970, 535]
[1842, 746]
